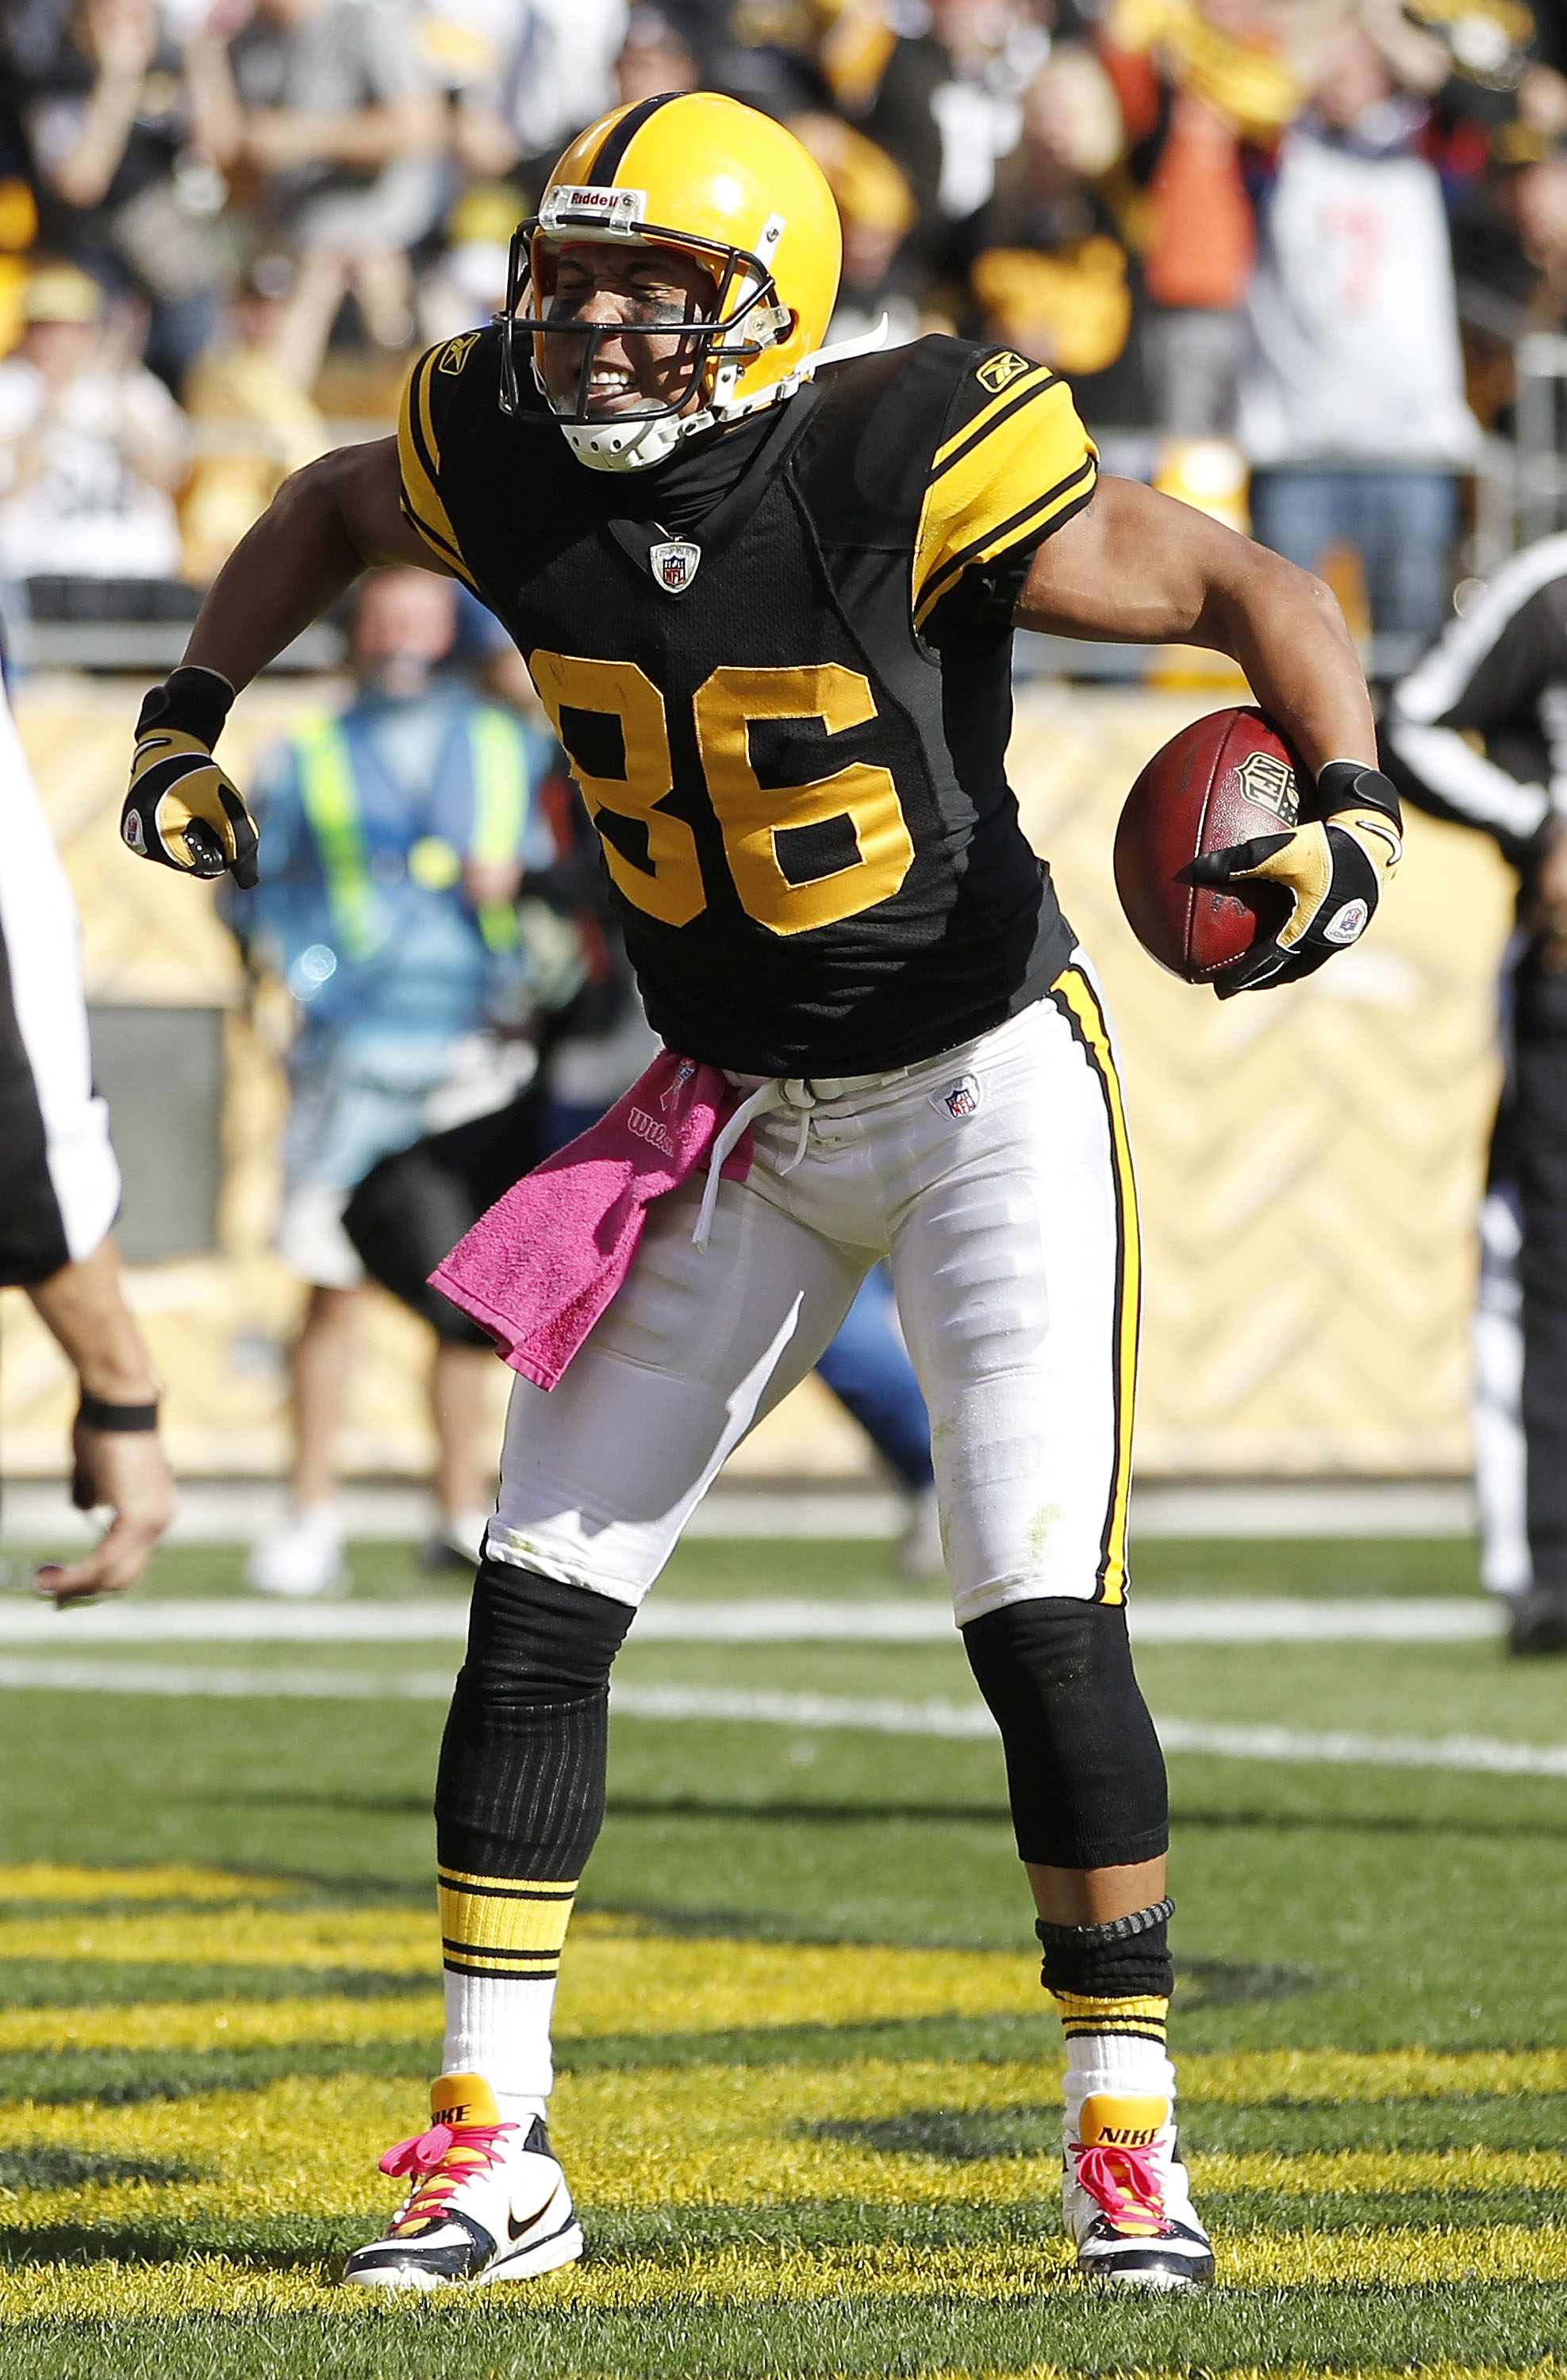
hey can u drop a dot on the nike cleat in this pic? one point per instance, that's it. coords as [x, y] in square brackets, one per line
[483, 2204]
[1126, 2200]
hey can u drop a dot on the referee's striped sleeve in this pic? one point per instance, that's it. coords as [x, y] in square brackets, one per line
[1019, 465]
[1487, 668]
[419, 460]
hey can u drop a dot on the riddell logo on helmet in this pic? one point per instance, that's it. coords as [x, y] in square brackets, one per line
[582, 206]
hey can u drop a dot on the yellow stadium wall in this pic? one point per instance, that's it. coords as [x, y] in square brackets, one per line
[1308, 1160]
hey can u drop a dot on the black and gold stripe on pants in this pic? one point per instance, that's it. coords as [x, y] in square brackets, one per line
[503, 1926]
[1079, 1004]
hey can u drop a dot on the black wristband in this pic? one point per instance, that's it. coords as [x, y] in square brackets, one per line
[96, 1413]
[1347, 784]
[191, 701]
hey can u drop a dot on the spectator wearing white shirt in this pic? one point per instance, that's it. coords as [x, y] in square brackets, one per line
[92, 446]
[555, 72]
[1352, 407]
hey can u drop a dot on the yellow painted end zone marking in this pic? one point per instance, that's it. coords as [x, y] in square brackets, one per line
[224, 2024]
[617, 1979]
[694, 2137]
[46, 1881]
[757, 2277]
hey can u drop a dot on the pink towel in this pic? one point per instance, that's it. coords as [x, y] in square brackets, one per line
[540, 1268]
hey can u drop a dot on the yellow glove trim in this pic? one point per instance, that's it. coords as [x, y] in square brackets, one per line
[195, 794]
[1304, 867]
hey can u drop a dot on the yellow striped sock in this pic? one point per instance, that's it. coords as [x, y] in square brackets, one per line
[1142, 2019]
[503, 1926]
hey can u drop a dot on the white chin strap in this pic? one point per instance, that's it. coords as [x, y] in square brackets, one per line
[637, 442]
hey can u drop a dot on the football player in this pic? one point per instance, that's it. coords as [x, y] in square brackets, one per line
[767, 596]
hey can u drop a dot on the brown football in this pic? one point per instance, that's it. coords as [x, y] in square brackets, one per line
[1223, 779]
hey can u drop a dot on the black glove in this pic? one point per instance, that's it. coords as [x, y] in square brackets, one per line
[181, 810]
[1333, 870]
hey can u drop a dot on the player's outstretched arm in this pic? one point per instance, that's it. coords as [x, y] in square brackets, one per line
[1138, 568]
[327, 523]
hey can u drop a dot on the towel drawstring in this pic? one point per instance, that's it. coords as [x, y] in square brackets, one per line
[774, 1093]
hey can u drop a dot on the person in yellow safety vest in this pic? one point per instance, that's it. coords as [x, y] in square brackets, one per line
[398, 832]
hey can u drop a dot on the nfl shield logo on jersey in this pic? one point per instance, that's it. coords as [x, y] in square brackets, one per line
[675, 565]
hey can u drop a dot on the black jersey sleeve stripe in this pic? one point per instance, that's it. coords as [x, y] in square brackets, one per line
[1048, 511]
[419, 465]
[999, 535]
[618, 140]
[1022, 393]
[1010, 470]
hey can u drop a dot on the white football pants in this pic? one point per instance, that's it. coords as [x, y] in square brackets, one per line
[998, 1179]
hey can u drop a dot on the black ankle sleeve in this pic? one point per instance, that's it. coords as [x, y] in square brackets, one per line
[1121, 1960]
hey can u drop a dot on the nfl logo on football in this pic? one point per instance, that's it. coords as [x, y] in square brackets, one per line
[675, 565]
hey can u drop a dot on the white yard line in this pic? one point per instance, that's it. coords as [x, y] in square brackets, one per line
[429, 1620]
[233, 1512]
[1483, 1754]
[218, 1685]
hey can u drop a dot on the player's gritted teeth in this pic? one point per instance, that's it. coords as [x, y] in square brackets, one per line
[644, 294]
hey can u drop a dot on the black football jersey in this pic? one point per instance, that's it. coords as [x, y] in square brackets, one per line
[790, 720]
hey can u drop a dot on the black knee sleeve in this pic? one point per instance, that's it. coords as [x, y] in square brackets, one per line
[520, 1788]
[1085, 1772]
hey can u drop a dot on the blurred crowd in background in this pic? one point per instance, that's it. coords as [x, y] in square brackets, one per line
[1294, 256]
[1313, 228]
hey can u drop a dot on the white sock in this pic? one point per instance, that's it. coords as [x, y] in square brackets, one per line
[1115, 2061]
[499, 2027]
[498, 2019]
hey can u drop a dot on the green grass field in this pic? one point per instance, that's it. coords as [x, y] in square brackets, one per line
[808, 2078]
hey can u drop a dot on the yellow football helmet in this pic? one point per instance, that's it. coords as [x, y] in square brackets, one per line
[715, 181]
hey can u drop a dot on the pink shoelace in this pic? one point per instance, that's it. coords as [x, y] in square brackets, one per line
[1125, 2182]
[431, 2153]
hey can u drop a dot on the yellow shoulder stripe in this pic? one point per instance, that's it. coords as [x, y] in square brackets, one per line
[1017, 392]
[1023, 463]
[419, 456]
